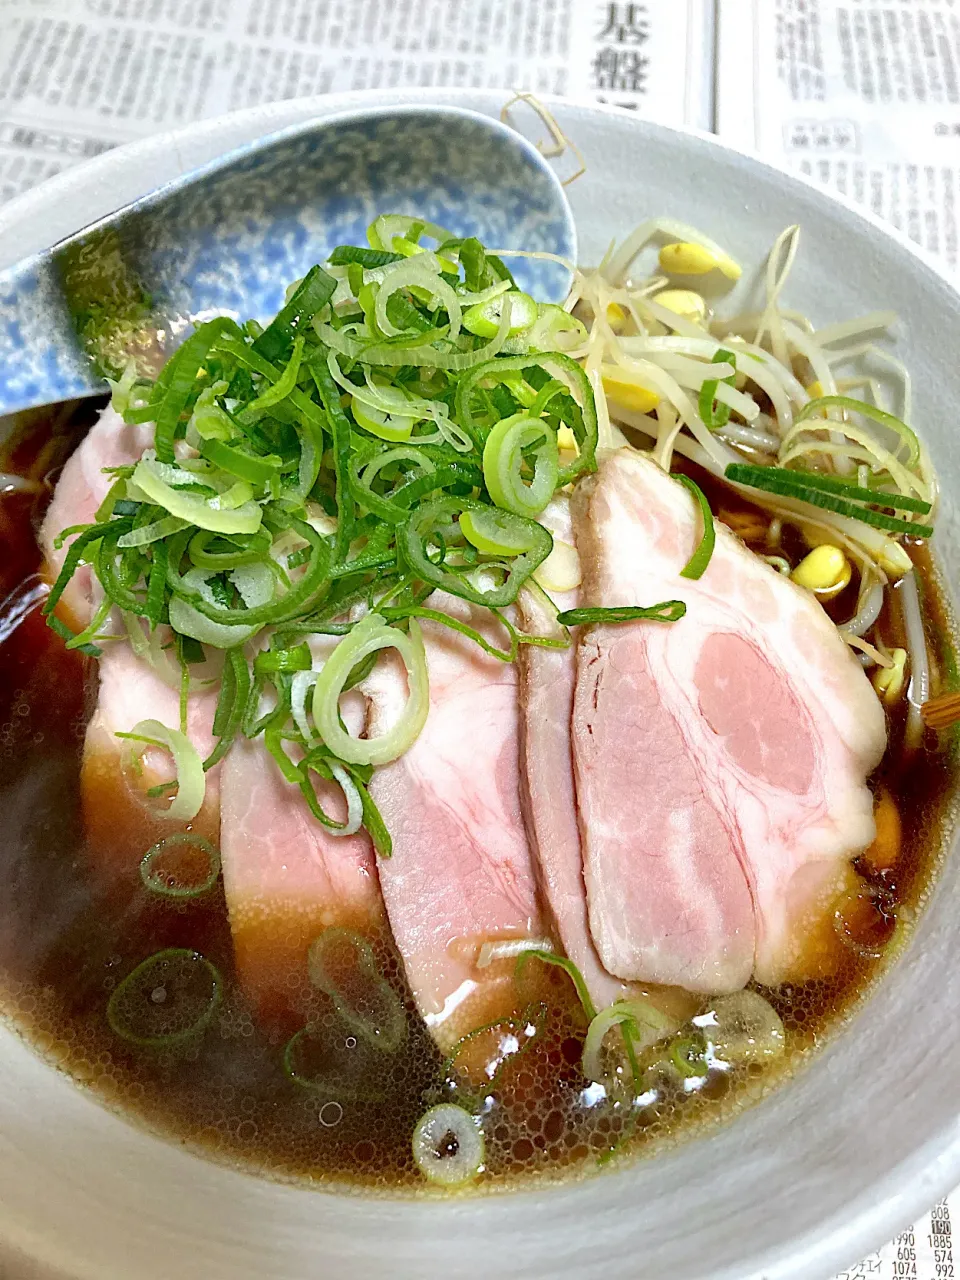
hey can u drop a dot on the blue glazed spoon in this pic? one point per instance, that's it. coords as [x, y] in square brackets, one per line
[228, 238]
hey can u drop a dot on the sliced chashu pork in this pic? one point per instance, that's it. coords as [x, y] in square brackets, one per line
[82, 487]
[120, 821]
[721, 760]
[461, 873]
[286, 877]
[547, 679]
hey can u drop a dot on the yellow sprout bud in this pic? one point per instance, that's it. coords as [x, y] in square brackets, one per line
[561, 569]
[616, 317]
[684, 258]
[889, 681]
[566, 439]
[825, 571]
[630, 394]
[814, 391]
[683, 302]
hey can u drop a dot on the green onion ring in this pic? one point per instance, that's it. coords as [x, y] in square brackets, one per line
[191, 782]
[504, 455]
[155, 880]
[140, 1009]
[297, 600]
[371, 634]
[450, 1164]
[367, 1002]
[423, 523]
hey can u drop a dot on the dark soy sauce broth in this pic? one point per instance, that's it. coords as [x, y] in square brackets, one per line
[69, 932]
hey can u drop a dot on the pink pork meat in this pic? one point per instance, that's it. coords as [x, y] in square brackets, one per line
[721, 761]
[82, 487]
[547, 679]
[286, 877]
[121, 822]
[461, 873]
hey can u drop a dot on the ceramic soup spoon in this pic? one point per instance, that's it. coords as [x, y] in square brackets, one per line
[229, 237]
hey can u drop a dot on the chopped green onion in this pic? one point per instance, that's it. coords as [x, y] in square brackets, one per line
[320, 762]
[181, 382]
[340, 427]
[299, 598]
[448, 1145]
[688, 1056]
[455, 624]
[579, 411]
[666, 611]
[333, 1062]
[191, 784]
[168, 999]
[147, 533]
[243, 550]
[483, 318]
[569, 968]
[249, 357]
[697, 564]
[384, 229]
[311, 295]
[74, 557]
[487, 1051]
[342, 964]
[193, 509]
[792, 484]
[422, 528]
[847, 489]
[254, 468]
[495, 533]
[387, 426]
[280, 389]
[716, 413]
[370, 635]
[62, 630]
[473, 259]
[512, 443]
[345, 254]
[168, 876]
[643, 1025]
[232, 703]
[297, 658]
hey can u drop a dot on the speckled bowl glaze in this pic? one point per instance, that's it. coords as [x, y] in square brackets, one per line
[228, 237]
[811, 1179]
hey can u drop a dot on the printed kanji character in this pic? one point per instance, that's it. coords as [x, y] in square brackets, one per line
[623, 69]
[627, 27]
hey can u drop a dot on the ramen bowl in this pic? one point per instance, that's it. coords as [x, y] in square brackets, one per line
[830, 1165]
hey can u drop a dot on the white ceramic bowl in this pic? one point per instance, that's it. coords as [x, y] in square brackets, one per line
[810, 1180]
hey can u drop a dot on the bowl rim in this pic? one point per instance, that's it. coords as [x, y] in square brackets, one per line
[900, 1196]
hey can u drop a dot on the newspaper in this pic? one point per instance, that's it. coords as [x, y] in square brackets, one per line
[862, 96]
[80, 76]
[924, 1252]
